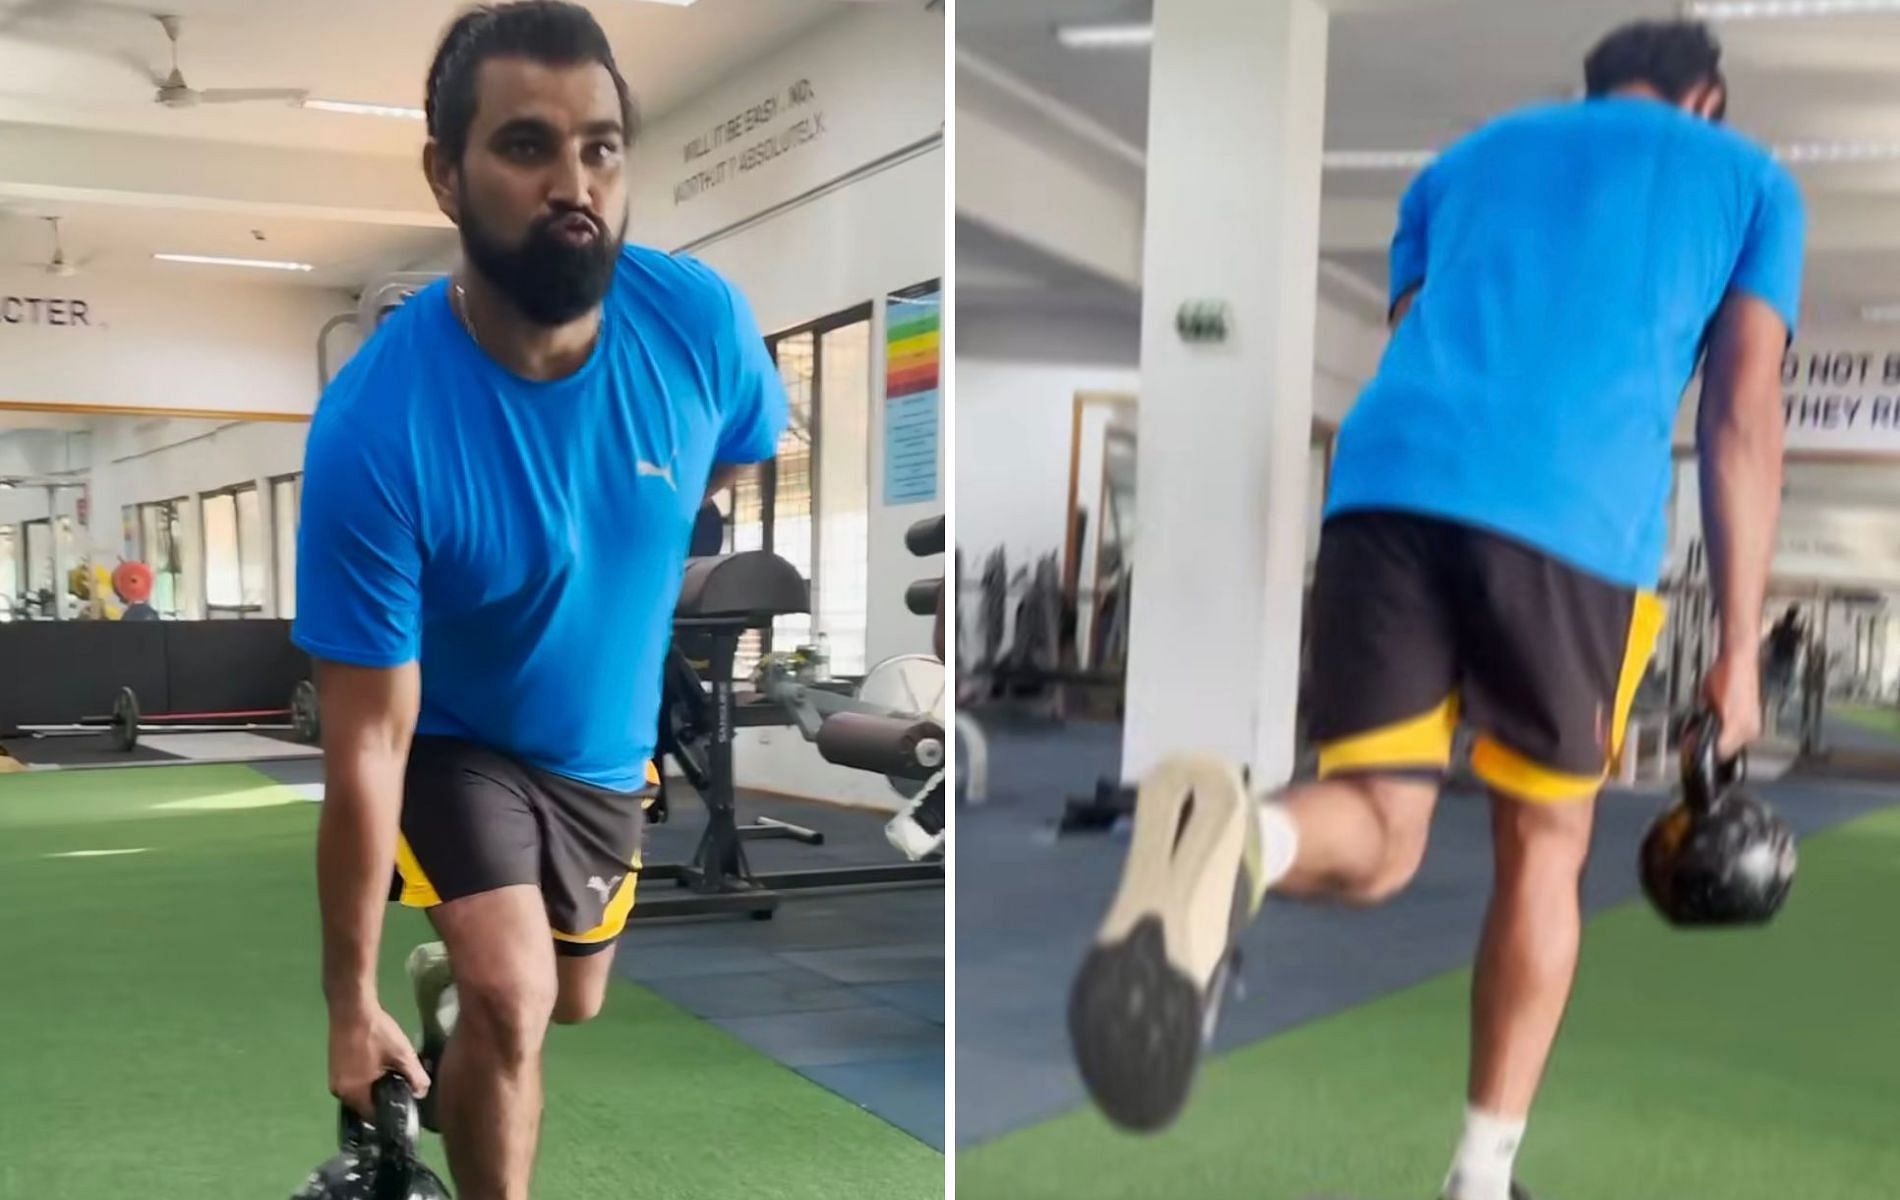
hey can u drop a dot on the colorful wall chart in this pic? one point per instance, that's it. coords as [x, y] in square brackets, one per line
[913, 353]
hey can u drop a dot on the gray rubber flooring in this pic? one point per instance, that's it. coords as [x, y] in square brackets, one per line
[1027, 904]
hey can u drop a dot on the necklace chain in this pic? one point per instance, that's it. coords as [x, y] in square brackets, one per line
[468, 318]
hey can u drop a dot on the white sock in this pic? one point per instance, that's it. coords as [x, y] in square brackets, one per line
[1486, 1156]
[1279, 842]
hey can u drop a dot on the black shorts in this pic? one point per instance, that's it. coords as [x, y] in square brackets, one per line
[474, 820]
[1420, 623]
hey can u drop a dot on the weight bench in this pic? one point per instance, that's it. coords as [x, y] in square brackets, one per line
[720, 600]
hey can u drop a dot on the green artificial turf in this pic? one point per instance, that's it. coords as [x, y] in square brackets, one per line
[162, 1029]
[1755, 1065]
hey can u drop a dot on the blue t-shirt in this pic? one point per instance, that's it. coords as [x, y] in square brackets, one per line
[1569, 260]
[526, 540]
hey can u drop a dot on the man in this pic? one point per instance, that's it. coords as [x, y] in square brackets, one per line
[1494, 525]
[1784, 648]
[499, 492]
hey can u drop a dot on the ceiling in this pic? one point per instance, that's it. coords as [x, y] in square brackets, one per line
[1416, 74]
[82, 138]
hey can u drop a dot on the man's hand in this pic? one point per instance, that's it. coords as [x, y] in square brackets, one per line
[1732, 691]
[364, 1047]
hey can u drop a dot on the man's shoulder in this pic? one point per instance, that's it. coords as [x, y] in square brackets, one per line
[675, 277]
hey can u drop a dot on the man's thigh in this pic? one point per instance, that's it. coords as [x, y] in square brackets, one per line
[1550, 658]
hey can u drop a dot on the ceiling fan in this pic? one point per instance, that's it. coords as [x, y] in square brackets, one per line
[59, 265]
[174, 92]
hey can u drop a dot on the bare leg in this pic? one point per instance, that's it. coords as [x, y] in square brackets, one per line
[583, 986]
[506, 984]
[1361, 837]
[1528, 957]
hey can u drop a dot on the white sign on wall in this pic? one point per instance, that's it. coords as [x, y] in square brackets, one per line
[1839, 545]
[1842, 400]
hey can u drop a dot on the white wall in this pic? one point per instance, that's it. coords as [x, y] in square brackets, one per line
[875, 78]
[1014, 426]
[199, 341]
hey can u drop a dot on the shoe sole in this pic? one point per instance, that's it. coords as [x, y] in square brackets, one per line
[1141, 1006]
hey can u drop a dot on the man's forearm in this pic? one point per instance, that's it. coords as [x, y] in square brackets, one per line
[722, 476]
[1741, 508]
[356, 853]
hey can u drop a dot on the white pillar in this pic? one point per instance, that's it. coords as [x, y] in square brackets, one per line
[1236, 120]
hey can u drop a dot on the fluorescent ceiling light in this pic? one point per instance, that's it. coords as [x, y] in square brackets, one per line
[366, 110]
[1377, 160]
[1881, 314]
[1835, 152]
[1785, 10]
[216, 261]
[1120, 35]
[1794, 152]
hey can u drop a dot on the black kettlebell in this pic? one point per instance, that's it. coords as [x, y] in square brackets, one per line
[377, 1161]
[1719, 856]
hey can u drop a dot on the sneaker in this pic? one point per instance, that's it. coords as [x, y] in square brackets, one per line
[434, 984]
[1517, 1193]
[1147, 997]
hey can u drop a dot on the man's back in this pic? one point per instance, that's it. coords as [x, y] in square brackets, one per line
[1568, 260]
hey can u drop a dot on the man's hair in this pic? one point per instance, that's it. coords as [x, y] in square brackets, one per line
[1674, 57]
[544, 31]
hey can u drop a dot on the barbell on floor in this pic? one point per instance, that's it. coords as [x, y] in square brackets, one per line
[127, 722]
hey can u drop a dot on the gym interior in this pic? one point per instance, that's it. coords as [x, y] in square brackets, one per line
[1133, 457]
[179, 277]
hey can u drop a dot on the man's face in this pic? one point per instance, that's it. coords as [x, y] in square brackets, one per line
[540, 195]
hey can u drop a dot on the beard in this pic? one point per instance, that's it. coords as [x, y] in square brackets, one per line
[551, 280]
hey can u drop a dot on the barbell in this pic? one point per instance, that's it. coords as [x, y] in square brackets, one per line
[127, 722]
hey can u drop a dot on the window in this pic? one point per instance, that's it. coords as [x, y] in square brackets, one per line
[811, 504]
[286, 500]
[235, 560]
[155, 539]
[10, 580]
[39, 560]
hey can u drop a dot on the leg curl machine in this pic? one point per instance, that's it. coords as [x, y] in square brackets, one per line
[720, 599]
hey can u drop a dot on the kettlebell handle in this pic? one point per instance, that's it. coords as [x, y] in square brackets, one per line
[395, 1103]
[1704, 777]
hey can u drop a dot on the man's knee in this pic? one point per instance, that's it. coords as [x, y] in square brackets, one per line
[1542, 840]
[1404, 808]
[510, 1015]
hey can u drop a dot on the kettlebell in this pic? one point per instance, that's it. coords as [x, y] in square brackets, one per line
[377, 1161]
[1718, 857]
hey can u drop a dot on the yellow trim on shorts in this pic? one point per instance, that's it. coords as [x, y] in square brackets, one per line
[1512, 773]
[417, 891]
[614, 920]
[1646, 623]
[1421, 741]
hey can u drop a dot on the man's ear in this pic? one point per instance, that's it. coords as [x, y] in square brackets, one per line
[441, 174]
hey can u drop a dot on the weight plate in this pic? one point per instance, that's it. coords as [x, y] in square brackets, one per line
[303, 712]
[909, 686]
[125, 720]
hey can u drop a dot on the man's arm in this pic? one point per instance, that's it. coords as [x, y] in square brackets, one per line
[369, 718]
[1739, 434]
[722, 476]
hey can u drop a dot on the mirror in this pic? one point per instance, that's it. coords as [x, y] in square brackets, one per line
[116, 516]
